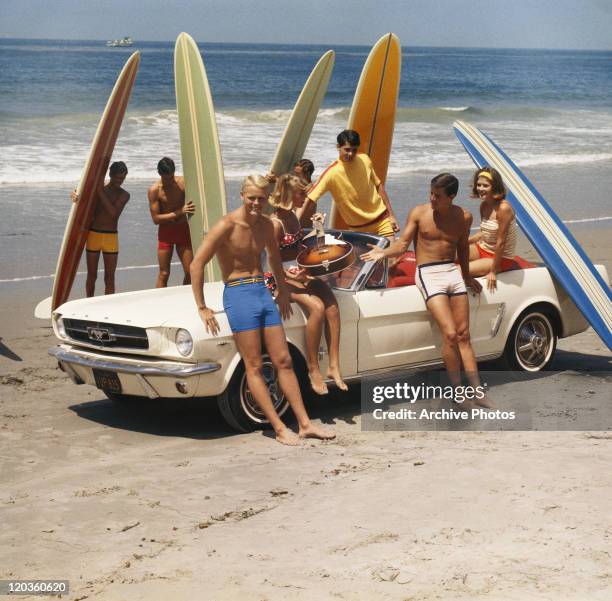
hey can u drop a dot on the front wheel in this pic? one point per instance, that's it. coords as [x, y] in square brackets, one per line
[238, 406]
[532, 342]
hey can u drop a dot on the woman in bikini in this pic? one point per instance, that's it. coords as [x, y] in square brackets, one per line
[313, 295]
[493, 248]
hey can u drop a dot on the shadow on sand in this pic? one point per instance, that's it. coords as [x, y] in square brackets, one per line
[570, 360]
[200, 418]
[5, 351]
[184, 418]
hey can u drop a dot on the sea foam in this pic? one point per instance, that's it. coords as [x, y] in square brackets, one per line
[54, 149]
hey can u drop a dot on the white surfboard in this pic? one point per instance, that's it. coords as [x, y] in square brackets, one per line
[43, 308]
[561, 252]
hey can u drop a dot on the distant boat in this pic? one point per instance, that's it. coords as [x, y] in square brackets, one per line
[123, 43]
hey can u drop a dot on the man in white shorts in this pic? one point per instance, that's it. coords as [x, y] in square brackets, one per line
[441, 231]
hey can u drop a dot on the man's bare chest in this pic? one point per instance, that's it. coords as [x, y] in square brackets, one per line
[245, 242]
[440, 229]
[170, 199]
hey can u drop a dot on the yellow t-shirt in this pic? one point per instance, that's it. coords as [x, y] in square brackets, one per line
[353, 186]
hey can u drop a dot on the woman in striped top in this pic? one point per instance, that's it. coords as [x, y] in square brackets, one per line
[492, 249]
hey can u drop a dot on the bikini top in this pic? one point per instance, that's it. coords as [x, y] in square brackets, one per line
[289, 240]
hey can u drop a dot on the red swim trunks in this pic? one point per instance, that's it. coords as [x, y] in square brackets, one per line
[170, 234]
[506, 264]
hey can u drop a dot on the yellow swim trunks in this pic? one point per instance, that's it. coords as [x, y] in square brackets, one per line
[99, 240]
[380, 227]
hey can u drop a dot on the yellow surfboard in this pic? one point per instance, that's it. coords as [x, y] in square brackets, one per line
[374, 106]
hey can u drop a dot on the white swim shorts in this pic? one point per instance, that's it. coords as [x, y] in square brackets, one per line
[443, 277]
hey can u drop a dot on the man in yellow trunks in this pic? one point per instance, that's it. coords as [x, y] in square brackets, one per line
[359, 194]
[103, 236]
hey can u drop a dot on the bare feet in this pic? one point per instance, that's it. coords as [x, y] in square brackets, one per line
[485, 401]
[334, 374]
[312, 431]
[288, 437]
[317, 383]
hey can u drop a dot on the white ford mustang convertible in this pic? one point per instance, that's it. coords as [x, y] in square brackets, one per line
[131, 345]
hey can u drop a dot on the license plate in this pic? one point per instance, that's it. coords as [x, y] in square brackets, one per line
[107, 380]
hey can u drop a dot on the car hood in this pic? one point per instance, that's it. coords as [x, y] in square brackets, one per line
[144, 308]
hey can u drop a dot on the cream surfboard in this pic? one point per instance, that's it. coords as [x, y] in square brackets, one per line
[299, 127]
[551, 238]
[200, 150]
[81, 212]
[43, 309]
[374, 106]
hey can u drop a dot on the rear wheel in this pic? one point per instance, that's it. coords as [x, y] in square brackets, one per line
[532, 341]
[238, 406]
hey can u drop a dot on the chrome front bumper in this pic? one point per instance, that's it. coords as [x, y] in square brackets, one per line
[141, 370]
[176, 371]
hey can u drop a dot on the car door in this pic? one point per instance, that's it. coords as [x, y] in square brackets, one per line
[492, 308]
[395, 329]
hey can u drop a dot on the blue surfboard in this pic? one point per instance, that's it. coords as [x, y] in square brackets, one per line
[548, 234]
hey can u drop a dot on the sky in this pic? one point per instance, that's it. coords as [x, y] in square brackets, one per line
[556, 24]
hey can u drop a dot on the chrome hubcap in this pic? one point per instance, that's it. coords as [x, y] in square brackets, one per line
[247, 400]
[533, 342]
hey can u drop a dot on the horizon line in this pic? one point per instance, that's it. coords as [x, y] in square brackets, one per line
[367, 45]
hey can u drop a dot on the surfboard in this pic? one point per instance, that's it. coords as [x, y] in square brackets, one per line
[81, 212]
[43, 309]
[292, 145]
[374, 106]
[548, 234]
[200, 150]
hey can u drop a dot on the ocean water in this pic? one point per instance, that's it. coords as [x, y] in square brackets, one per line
[543, 107]
[549, 110]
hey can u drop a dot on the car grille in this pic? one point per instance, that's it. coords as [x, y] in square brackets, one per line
[106, 335]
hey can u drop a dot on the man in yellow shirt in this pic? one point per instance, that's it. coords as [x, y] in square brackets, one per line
[359, 194]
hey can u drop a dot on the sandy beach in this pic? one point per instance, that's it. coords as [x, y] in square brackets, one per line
[163, 501]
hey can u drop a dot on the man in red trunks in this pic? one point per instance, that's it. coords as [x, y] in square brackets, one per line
[169, 211]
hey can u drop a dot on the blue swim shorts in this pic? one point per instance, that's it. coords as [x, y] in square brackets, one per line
[249, 305]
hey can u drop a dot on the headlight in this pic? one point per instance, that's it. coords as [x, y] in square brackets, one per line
[184, 342]
[61, 329]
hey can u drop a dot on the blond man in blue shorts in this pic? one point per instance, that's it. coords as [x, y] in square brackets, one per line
[238, 240]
